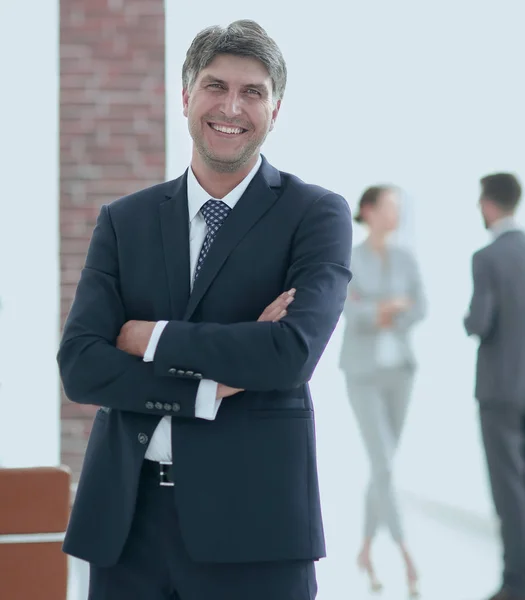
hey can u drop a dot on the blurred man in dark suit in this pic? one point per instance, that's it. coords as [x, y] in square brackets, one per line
[496, 317]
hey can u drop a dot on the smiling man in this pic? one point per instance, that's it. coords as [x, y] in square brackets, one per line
[201, 313]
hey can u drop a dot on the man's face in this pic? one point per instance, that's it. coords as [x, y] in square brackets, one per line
[488, 211]
[230, 110]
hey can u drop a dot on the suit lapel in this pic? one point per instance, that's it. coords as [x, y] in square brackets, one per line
[258, 198]
[174, 223]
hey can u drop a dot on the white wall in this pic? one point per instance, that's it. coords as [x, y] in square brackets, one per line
[427, 96]
[29, 236]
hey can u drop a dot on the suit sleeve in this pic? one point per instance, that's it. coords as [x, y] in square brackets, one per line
[92, 369]
[272, 356]
[481, 316]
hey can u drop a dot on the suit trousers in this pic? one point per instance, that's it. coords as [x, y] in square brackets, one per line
[503, 431]
[380, 402]
[155, 565]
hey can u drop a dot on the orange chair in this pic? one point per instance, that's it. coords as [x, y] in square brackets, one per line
[34, 510]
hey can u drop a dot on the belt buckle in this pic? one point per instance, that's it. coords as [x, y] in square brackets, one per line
[163, 472]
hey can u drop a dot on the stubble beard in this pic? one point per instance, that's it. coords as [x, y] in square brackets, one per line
[222, 164]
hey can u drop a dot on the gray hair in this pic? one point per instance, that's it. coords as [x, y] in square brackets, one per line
[241, 38]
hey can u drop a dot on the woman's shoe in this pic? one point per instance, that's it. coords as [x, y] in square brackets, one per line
[365, 564]
[413, 589]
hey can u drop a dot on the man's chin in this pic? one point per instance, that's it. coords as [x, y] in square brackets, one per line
[224, 163]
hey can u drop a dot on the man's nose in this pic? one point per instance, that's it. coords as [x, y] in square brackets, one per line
[232, 104]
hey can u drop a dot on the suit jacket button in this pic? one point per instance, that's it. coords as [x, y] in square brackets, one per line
[189, 373]
[167, 406]
[172, 371]
[143, 438]
[176, 407]
[198, 376]
[149, 405]
[180, 372]
[159, 405]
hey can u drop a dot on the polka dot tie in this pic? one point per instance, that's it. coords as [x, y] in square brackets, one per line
[215, 213]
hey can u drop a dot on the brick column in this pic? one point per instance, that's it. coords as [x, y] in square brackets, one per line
[112, 136]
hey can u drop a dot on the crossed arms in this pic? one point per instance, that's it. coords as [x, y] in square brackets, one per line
[258, 356]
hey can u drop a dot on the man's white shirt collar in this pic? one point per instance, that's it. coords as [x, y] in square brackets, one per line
[198, 196]
[504, 225]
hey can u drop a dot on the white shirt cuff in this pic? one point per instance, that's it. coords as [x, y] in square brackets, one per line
[206, 404]
[154, 340]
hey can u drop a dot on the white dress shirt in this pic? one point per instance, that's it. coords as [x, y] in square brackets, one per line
[207, 404]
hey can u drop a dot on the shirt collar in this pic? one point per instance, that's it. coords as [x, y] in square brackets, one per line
[198, 196]
[503, 225]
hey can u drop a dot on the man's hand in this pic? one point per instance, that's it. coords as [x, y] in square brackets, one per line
[278, 308]
[134, 337]
[272, 313]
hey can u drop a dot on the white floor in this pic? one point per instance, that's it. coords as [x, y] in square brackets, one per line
[453, 564]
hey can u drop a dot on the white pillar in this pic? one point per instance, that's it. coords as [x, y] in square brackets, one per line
[29, 233]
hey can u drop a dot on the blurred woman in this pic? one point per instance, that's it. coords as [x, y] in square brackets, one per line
[385, 300]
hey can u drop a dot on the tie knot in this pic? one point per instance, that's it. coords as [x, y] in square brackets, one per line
[215, 213]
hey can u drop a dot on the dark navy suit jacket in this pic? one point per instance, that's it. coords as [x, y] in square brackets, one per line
[246, 483]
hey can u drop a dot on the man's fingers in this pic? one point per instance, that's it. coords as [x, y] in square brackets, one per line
[282, 314]
[224, 391]
[278, 313]
[274, 310]
[283, 300]
[275, 313]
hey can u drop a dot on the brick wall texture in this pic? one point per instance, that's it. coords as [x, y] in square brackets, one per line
[112, 137]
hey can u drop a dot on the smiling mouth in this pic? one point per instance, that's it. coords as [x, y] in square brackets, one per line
[233, 131]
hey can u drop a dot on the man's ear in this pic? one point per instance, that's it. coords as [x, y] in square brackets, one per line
[185, 101]
[275, 113]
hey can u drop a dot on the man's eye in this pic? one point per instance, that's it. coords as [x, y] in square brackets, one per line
[257, 92]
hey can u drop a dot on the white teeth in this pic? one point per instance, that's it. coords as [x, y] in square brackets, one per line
[226, 129]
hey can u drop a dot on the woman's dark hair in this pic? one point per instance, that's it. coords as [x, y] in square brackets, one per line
[370, 197]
